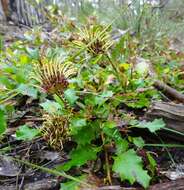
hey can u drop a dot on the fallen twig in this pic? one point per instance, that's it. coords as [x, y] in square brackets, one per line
[169, 91]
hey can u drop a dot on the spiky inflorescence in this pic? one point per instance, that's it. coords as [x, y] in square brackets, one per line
[53, 75]
[55, 130]
[96, 38]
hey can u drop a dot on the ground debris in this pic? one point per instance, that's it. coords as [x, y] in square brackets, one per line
[173, 114]
[45, 184]
[175, 173]
[8, 167]
[173, 185]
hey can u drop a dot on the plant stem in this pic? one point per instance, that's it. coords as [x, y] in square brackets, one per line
[174, 131]
[121, 77]
[113, 66]
[3, 101]
[166, 145]
[107, 161]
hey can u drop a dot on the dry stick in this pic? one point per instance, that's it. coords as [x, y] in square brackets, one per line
[169, 90]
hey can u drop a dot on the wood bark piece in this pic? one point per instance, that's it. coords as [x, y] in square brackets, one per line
[173, 185]
[45, 184]
[173, 114]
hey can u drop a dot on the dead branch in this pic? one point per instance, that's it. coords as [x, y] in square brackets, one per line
[169, 91]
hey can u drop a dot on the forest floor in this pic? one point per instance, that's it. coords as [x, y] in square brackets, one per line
[14, 175]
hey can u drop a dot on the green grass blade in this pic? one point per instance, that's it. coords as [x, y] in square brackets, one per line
[51, 171]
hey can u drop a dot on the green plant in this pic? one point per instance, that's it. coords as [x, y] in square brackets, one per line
[86, 106]
[24, 132]
[14, 79]
[3, 124]
[88, 102]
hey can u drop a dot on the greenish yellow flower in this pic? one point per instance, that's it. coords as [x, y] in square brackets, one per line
[95, 38]
[52, 75]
